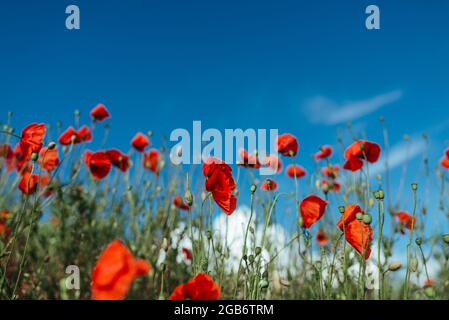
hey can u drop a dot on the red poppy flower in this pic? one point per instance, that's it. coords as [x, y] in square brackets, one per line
[220, 183]
[31, 140]
[187, 253]
[359, 151]
[66, 137]
[119, 159]
[312, 209]
[429, 283]
[180, 204]
[321, 238]
[18, 161]
[269, 185]
[28, 183]
[114, 272]
[249, 161]
[406, 220]
[325, 152]
[5, 232]
[273, 162]
[84, 134]
[48, 159]
[358, 234]
[99, 113]
[287, 145]
[202, 287]
[331, 171]
[152, 161]
[8, 154]
[296, 170]
[140, 142]
[445, 163]
[98, 164]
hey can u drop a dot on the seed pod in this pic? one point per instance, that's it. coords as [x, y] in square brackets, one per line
[394, 266]
[258, 250]
[418, 241]
[253, 188]
[51, 145]
[367, 219]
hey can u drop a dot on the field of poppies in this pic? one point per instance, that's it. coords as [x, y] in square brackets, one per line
[77, 223]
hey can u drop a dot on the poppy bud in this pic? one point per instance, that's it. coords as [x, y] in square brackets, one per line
[9, 114]
[446, 238]
[5, 127]
[362, 146]
[150, 133]
[34, 156]
[77, 113]
[367, 219]
[189, 198]
[11, 130]
[381, 194]
[258, 250]
[291, 153]
[73, 138]
[263, 284]
[418, 241]
[414, 186]
[429, 292]
[251, 229]
[245, 257]
[251, 258]
[208, 234]
[300, 222]
[414, 265]
[253, 188]
[376, 195]
[51, 145]
[359, 216]
[325, 188]
[342, 209]
[394, 266]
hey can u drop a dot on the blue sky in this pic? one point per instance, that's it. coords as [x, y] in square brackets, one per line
[293, 65]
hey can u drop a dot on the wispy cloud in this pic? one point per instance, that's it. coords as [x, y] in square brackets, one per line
[399, 153]
[326, 111]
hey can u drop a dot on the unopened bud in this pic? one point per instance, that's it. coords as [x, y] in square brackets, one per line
[34, 157]
[258, 250]
[253, 188]
[367, 219]
[342, 209]
[263, 284]
[51, 145]
[394, 266]
[73, 138]
[77, 113]
[359, 216]
[414, 186]
[189, 198]
[208, 234]
[418, 241]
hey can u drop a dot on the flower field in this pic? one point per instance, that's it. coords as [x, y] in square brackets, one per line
[130, 224]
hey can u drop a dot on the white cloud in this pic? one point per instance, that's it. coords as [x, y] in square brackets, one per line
[398, 154]
[326, 111]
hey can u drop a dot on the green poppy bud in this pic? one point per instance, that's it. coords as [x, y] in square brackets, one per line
[258, 250]
[418, 241]
[253, 188]
[189, 198]
[367, 219]
[446, 238]
[359, 216]
[34, 157]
